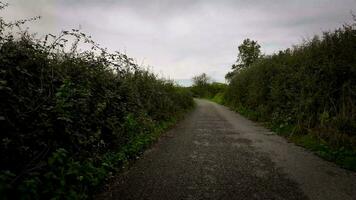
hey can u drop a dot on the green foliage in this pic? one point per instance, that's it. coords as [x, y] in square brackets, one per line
[203, 88]
[309, 89]
[249, 52]
[218, 98]
[342, 156]
[200, 86]
[70, 118]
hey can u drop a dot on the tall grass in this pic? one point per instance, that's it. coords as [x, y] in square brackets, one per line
[70, 118]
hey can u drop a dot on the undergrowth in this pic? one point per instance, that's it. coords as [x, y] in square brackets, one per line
[307, 93]
[69, 118]
[343, 156]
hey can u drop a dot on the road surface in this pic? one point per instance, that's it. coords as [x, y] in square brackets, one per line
[217, 154]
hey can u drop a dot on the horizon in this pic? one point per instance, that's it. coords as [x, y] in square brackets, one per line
[182, 39]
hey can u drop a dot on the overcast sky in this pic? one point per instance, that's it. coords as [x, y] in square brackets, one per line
[183, 38]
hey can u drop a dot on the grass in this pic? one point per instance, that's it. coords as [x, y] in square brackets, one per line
[342, 156]
[346, 158]
[144, 141]
[218, 98]
[131, 151]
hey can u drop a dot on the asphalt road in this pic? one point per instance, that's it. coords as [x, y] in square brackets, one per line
[217, 154]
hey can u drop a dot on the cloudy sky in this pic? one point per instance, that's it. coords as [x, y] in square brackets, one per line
[183, 38]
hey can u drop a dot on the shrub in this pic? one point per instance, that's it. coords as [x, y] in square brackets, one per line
[312, 85]
[69, 118]
[203, 87]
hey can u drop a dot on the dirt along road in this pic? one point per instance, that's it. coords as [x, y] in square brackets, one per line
[217, 154]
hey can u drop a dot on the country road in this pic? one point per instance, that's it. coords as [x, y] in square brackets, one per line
[215, 153]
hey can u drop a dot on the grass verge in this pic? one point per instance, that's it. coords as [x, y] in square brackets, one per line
[342, 156]
[131, 151]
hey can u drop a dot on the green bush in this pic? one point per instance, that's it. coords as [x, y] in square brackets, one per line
[311, 86]
[203, 88]
[70, 118]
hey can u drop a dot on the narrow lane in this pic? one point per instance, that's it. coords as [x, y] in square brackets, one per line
[217, 154]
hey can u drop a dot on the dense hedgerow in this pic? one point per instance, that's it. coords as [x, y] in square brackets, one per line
[203, 87]
[311, 86]
[69, 118]
[209, 90]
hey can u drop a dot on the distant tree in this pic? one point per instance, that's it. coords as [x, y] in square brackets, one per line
[249, 52]
[201, 85]
[201, 80]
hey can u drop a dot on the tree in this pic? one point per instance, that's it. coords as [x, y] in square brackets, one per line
[201, 80]
[200, 85]
[229, 76]
[249, 52]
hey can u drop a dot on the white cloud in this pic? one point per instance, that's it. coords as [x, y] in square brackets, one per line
[183, 38]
